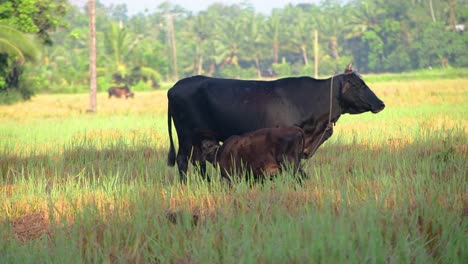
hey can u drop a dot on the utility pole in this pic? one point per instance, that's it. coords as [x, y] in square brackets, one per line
[170, 21]
[92, 55]
[316, 54]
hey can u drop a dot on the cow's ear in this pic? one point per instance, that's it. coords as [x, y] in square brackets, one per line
[345, 87]
[349, 68]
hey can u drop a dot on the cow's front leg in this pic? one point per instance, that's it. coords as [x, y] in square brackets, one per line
[199, 161]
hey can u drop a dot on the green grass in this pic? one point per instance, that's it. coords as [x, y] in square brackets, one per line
[390, 187]
[425, 74]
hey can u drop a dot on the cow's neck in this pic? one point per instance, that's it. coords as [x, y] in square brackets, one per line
[320, 121]
[320, 114]
[335, 84]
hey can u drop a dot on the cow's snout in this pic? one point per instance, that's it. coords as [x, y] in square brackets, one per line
[379, 107]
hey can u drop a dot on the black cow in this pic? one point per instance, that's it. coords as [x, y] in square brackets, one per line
[120, 91]
[215, 109]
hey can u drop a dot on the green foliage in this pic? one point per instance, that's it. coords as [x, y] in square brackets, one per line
[17, 44]
[283, 69]
[10, 97]
[235, 71]
[23, 88]
[235, 41]
[307, 70]
[19, 17]
[375, 46]
[433, 47]
[397, 60]
[329, 66]
[423, 74]
[32, 16]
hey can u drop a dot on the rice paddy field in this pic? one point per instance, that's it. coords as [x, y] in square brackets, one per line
[390, 187]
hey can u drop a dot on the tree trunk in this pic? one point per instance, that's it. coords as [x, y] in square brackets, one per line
[173, 44]
[316, 58]
[275, 51]
[257, 65]
[92, 55]
[334, 48]
[304, 54]
[212, 69]
[452, 15]
[200, 65]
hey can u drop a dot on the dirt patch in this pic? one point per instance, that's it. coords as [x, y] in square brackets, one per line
[31, 226]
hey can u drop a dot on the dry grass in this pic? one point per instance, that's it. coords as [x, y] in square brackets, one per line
[75, 105]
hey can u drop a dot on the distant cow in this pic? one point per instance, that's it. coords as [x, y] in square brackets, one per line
[264, 152]
[120, 91]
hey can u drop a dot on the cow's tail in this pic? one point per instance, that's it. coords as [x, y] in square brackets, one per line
[171, 156]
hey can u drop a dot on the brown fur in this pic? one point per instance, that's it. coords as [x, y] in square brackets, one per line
[120, 91]
[264, 152]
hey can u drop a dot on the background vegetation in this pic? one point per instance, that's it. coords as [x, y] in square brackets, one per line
[388, 187]
[157, 47]
[76, 187]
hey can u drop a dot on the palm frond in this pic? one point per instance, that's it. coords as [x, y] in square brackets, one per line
[17, 43]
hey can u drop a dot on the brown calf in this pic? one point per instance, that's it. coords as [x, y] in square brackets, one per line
[120, 91]
[264, 152]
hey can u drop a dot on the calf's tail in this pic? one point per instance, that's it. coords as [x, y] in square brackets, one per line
[171, 156]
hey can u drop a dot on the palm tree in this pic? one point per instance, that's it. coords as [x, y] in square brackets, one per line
[332, 24]
[230, 32]
[17, 44]
[272, 33]
[299, 25]
[365, 15]
[15, 49]
[253, 43]
[201, 31]
[119, 47]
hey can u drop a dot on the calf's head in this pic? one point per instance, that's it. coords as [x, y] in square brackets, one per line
[209, 150]
[356, 96]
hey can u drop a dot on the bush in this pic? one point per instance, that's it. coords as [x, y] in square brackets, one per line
[141, 86]
[307, 70]
[10, 97]
[329, 66]
[21, 89]
[283, 69]
[235, 71]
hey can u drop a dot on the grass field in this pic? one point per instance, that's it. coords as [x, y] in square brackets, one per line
[386, 188]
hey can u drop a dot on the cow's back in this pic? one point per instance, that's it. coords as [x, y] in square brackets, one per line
[225, 107]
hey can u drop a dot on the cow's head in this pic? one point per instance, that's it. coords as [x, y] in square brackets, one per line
[356, 96]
